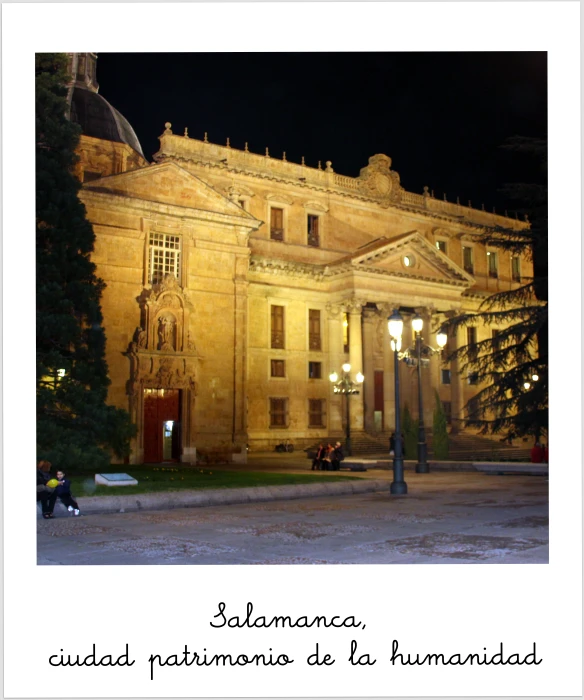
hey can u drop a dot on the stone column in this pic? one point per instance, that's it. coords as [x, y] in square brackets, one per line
[385, 310]
[428, 338]
[335, 360]
[457, 387]
[435, 366]
[370, 320]
[239, 429]
[356, 360]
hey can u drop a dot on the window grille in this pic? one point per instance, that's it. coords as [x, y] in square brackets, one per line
[316, 413]
[493, 264]
[163, 257]
[277, 329]
[276, 224]
[467, 261]
[278, 413]
[314, 341]
[313, 231]
[278, 368]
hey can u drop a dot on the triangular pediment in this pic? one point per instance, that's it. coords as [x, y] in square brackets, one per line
[168, 183]
[408, 256]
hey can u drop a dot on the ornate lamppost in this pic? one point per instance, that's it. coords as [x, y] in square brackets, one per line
[441, 339]
[345, 385]
[395, 325]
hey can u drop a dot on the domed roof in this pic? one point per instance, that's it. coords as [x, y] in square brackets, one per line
[99, 119]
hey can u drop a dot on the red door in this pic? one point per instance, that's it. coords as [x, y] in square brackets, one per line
[161, 425]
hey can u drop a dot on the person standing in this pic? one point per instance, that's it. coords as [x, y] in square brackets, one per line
[63, 491]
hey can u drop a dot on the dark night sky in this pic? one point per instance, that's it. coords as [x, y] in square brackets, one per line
[440, 116]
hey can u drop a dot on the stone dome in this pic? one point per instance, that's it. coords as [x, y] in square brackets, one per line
[99, 119]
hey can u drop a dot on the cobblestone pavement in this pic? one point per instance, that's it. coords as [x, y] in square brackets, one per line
[445, 518]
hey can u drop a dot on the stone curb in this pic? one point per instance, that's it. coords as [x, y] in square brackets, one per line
[219, 497]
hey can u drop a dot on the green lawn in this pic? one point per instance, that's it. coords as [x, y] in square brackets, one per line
[156, 479]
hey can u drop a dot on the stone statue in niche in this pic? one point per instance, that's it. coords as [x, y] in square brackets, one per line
[166, 333]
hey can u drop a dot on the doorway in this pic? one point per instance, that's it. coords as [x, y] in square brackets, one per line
[162, 425]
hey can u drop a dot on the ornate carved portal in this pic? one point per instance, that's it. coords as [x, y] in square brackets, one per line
[163, 356]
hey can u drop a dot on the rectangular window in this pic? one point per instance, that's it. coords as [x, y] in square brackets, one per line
[472, 412]
[473, 378]
[276, 224]
[471, 341]
[315, 370]
[493, 264]
[441, 245]
[313, 231]
[314, 342]
[516, 268]
[345, 331]
[278, 413]
[163, 257]
[496, 340]
[467, 259]
[278, 368]
[277, 329]
[316, 413]
[445, 376]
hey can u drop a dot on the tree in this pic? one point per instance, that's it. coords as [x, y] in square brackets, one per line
[410, 431]
[511, 400]
[440, 443]
[75, 426]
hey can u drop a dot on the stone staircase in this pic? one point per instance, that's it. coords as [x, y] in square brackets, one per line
[463, 447]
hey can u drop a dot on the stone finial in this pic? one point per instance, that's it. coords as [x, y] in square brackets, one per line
[246, 149]
[228, 144]
[267, 152]
[186, 134]
[284, 155]
[302, 161]
[319, 165]
[329, 167]
[458, 201]
[494, 212]
[167, 126]
[469, 204]
[506, 213]
[526, 218]
[205, 139]
[432, 194]
[445, 197]
[426, 191]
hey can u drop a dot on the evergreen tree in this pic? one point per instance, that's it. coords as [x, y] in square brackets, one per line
[440, 442]
[511, 400]
[75, 427]
[410, 431]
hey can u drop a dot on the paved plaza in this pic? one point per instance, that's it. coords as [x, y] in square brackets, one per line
[445, 518]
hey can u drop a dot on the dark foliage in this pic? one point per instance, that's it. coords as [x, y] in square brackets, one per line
[510, 400]
[75, 427]
[440, 443]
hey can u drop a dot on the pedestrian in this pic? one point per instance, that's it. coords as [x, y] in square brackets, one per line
[337, 457]
[317, 461]
[63, 491]
[43, 491]
[326, 463]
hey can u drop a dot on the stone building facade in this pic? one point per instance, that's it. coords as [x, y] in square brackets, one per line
[237, 282]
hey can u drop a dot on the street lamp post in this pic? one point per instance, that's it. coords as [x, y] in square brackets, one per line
[422, 465]
[395, 324]
[346, 386]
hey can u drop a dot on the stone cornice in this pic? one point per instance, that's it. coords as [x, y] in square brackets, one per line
[377, 183]
[121, 203]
